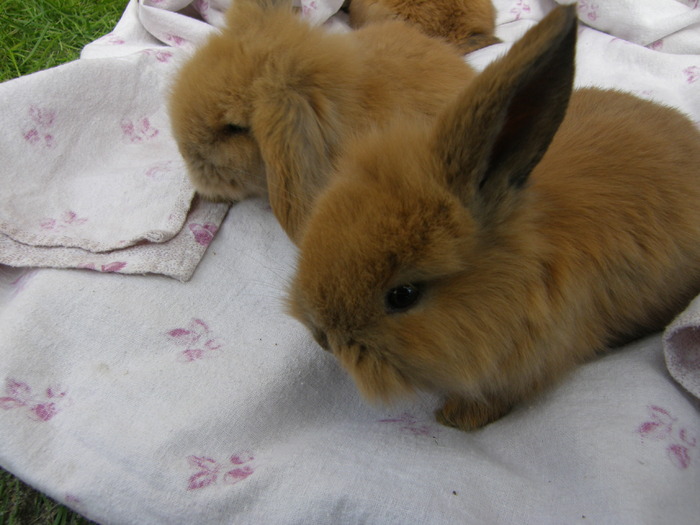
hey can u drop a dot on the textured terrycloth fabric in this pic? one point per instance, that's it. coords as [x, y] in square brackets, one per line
[682, 348]
[91, 175]
[140, 399]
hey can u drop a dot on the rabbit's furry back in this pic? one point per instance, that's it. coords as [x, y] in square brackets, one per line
[264, 107]
[485, 254]
[467, 24]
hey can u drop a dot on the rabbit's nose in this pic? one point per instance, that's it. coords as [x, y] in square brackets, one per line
[322, 339]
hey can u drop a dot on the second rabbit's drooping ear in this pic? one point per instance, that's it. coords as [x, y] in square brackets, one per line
[498, 129]
[298, 134]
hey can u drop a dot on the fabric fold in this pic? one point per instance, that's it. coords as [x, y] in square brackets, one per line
[682, 348]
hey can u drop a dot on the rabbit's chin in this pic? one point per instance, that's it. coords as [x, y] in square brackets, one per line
[376, 378]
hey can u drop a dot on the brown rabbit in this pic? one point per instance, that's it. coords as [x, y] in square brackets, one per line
[485, 253]
[271, 95]
[467, 24]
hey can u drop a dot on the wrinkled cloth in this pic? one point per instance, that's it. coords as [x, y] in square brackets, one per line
[670, 26]
[682, 348]
[91, 174]
[146, 400]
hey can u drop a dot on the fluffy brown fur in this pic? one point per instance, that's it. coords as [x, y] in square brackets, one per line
[537, 227]
[467, 24]
[272, 96]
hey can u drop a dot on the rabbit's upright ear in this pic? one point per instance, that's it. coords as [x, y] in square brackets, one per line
[498, 129]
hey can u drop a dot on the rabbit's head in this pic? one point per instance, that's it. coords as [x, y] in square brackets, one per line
[409, 267]
[248, 101]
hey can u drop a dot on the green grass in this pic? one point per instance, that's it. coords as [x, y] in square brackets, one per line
[36, 35]
[21, 505]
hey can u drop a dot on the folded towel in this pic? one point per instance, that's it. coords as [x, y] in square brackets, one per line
[664, 25]
[682, 348]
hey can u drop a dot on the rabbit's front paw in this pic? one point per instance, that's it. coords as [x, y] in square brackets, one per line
[468, 414]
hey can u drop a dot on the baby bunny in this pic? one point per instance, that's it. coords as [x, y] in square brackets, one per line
[467, 24]
[269, 102]
[484, 253]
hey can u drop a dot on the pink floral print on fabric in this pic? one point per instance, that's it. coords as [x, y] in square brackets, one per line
[159, 170]
[308, 7]
[113, 39]
[39, 133]
[66, 221]
[692, 74]
[116, 266]
[409, 423]
[663, 427]
[159, 55]
[657, 46]
[197, 339]
[588, 10]
[139, 130]
[209, 470]
[175, 40]
[520, 8]
[203, 233]
[38, 407]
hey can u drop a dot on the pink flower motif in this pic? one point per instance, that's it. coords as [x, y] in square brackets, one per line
[662, 427]
[409, 423]
[238, 474]
[70, 499]
[113, 267]
[692, 74]
[175, 40]
[41, 116]
[160, 56]
[157, 171]
[208, 471]
[105, 268]
[114, 39]
[42, 121]
[203, 233]
[19, 395]
[679, 455]
[197, 340]
[138, 131]
[308, 7]
[68, 219]
[207, 475]
[589, 9]
[657, 46]
[521, 6]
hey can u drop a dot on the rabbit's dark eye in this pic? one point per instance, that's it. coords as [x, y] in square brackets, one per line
[402, 298]
[234, 129]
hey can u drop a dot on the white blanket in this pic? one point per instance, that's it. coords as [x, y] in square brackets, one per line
[141, 399]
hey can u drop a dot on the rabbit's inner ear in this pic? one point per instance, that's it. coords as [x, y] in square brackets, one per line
[535, 111]
[499, 128]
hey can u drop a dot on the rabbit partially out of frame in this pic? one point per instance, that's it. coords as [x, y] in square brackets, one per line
[467, 24]
[484, 253]
[269, 102]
